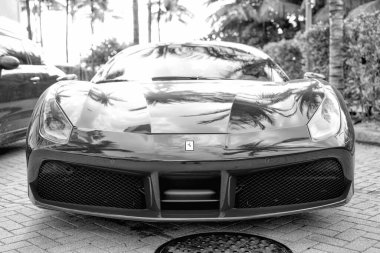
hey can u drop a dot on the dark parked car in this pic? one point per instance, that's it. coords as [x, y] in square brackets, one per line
[23, 78]
[193, 131]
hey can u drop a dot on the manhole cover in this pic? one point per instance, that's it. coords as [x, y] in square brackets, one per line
[222, 242]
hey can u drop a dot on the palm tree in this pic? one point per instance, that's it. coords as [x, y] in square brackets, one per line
[322, 14]
[250, 21]
[29, 28]
[336, 15]
[50, 4]
[136, 38]
[169, 9]
[368, 7]
[40, 21]
[149, 20]
[158, 20]
[97, 8]
[36, 11]
[173, 9]
[252, 10]
[67, 30]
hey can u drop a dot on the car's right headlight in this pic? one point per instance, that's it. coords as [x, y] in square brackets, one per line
[54, 124]
[326, 120]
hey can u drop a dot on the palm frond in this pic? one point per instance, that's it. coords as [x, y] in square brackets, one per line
[258, 11]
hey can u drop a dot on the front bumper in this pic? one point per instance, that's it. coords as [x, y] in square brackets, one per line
[225, 169]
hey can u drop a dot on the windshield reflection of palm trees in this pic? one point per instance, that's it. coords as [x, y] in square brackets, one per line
[253, 148]
[102, 97]
[246, 112]
[96, 99]
[258, 112]
[239, 59]
[186, 50]
[92, 142]
[256, 70]
[61, 95]
[309, 99]
[170, 97]
[164, 95]
[225, 114]
[64, 92]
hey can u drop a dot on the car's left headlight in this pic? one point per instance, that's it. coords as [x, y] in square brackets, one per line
[54, 125]
[326, 120]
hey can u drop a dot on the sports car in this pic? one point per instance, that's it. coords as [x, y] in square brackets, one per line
[198, 131]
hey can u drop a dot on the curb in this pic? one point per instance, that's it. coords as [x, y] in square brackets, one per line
[367, 135]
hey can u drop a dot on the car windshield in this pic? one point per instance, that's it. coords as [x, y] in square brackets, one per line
[190, 62]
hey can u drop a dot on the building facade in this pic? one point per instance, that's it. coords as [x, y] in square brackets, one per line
[10, 9]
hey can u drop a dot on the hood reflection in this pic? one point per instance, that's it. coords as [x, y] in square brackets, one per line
[291, 108]
[190, 106]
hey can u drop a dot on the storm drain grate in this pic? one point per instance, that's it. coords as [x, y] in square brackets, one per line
[222, 242]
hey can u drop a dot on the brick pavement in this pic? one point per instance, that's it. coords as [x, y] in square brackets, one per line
[25, 228]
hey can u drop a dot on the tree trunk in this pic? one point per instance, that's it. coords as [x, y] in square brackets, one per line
[308, 14]
[67, 30]
[92, 16]
[136, 37]
[40, 19]
[308, 24]
[158, 20]
[29, 28]
[336, 9]
[92, 33]
[150, 21]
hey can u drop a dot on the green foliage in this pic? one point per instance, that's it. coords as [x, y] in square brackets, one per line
[315, 43]
[287, 54]
[256, 34]
[97, 7]
[363, 62]
[167, 9]
[101, 53]
[361, 51]
[255, 22]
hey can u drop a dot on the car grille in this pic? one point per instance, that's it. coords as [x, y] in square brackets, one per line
[292, 184]
[67, 183]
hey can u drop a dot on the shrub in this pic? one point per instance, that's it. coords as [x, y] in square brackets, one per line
[288, 55]
[315, 42]
[101, 53]
[363, 62]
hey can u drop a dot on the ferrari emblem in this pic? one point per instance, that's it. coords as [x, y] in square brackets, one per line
[189, 145]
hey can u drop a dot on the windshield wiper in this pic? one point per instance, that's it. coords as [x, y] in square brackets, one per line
[169, 78]
[113, 80]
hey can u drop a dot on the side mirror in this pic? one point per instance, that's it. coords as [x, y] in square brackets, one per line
[8, 62]
[67, 77]
[311, 75]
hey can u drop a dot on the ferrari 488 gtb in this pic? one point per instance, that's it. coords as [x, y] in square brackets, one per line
[190, 131]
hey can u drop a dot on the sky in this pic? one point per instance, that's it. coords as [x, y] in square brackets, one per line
[118, 23]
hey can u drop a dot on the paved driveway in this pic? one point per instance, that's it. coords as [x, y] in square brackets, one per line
[25, 228]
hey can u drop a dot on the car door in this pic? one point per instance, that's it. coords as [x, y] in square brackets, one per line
[18, 90]
[46, 74]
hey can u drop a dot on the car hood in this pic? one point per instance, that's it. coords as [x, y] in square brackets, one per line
[189, 107]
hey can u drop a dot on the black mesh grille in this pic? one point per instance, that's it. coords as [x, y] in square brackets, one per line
[58, 181]
[292, 184]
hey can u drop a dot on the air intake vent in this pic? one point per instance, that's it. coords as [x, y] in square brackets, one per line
[185, 191]
[292, 184]
[66, 183]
